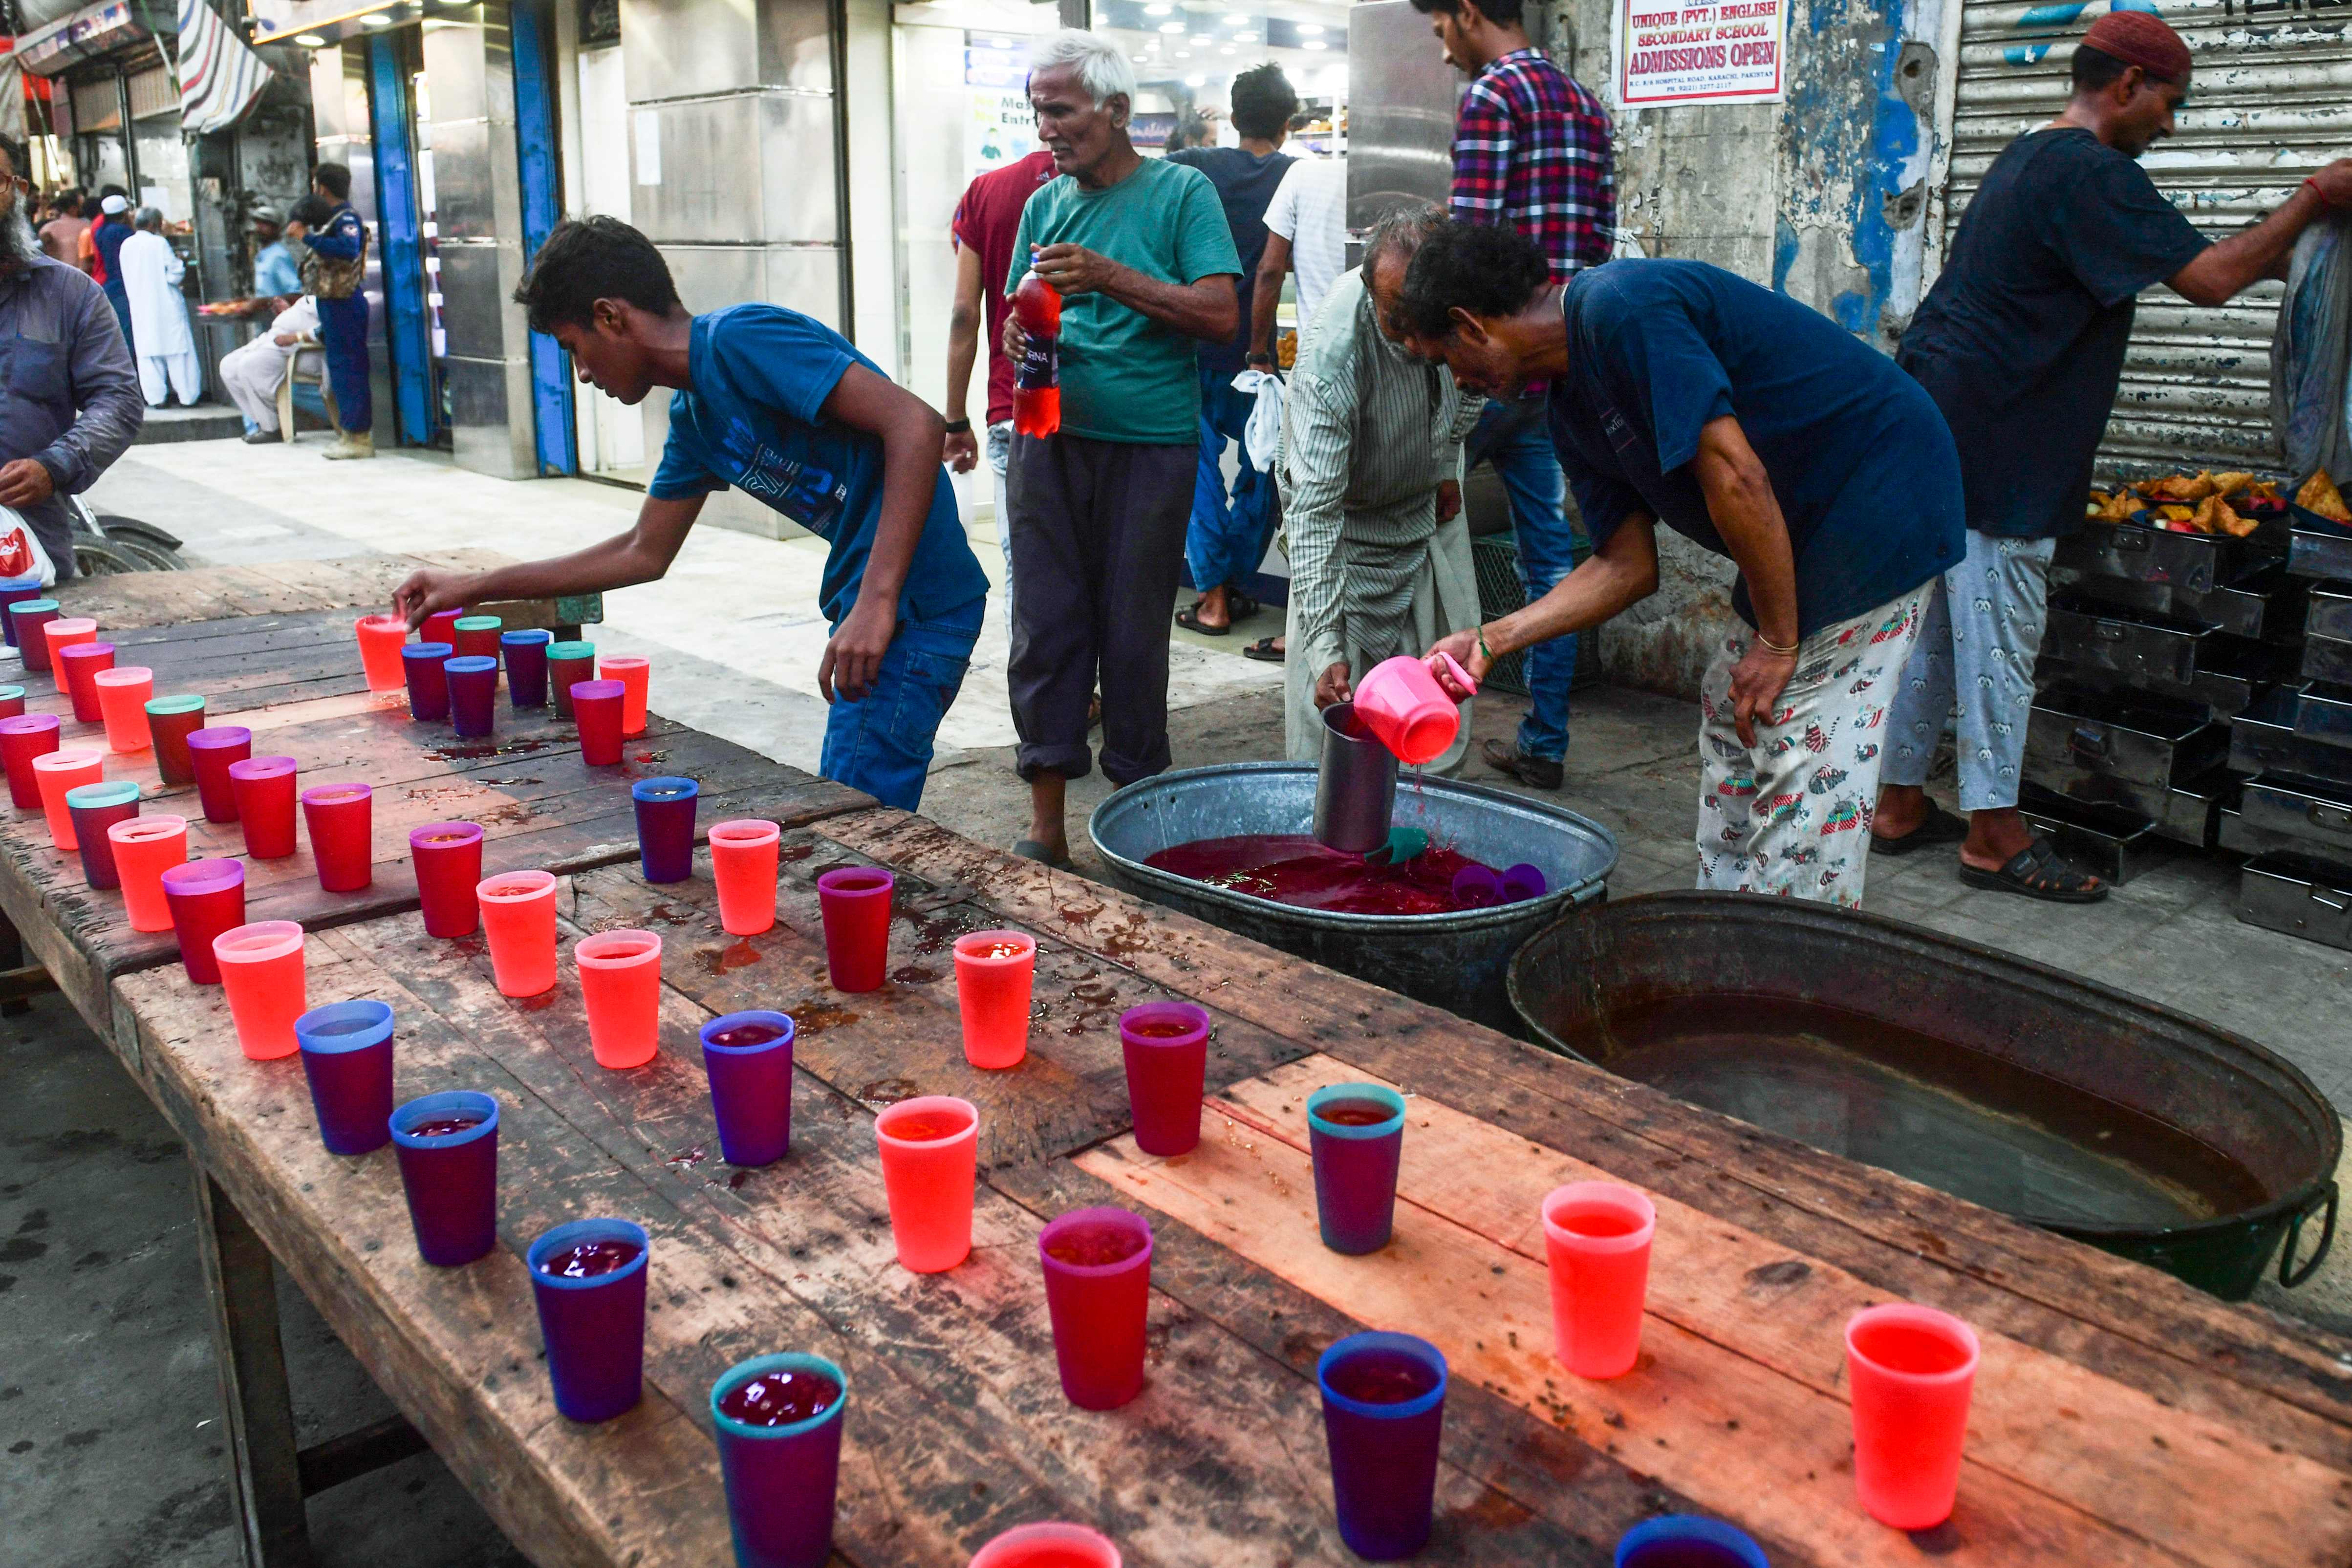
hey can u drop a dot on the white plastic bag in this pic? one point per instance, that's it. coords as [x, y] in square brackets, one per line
[21, 554]
[1263, 433]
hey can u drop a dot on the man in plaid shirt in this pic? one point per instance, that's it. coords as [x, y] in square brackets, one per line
[1531, 148]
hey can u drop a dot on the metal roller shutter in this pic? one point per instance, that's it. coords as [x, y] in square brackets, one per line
[2271, 101]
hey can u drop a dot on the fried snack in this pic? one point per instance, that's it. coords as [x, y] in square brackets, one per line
[2320, 494]
[2118, 508]
[2262, 490]
[2216, 517]
[2228, 484]
[2178, 487]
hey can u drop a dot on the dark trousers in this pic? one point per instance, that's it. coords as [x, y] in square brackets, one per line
[342, 331]
[1097, 545]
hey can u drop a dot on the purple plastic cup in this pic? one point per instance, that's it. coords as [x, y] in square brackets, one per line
[1383, 1451]
[750, 1086]
[451, 1178]
[428, 684]
[210, 751]
[347, 1056]
[593, 1328]
[1476, 887]
[1523, 881]
[473, 694]
[15, 590]
[1688, 1541]
[96, 808]
[526, 656]
[205, 898]
[1098, 1308]
[1167, 1050]
[1356, 1165]
[666, 826]
[780, 1480]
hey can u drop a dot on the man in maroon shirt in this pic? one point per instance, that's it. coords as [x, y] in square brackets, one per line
[986, 222]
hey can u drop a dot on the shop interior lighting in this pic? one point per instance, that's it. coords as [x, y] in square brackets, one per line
[1171, 26]
[1309, 29]
[375, 19]
[1196, 81]
[1314, 44]
[1245, 38]
[311, 40]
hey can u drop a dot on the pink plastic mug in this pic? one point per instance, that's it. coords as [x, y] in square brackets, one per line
[1407, 711]
[1596, 1237]
[1909, 1371]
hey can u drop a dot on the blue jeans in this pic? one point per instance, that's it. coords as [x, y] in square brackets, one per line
[1224, 542]
[1511, 435]
[882, 743]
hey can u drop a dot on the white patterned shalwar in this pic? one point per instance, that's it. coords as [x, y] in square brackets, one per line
[1979, 642]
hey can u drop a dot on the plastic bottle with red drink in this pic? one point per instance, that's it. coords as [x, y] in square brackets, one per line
[1037, 379]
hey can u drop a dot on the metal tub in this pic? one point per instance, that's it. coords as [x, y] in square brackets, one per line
[2060, 1103]
[1452, 961]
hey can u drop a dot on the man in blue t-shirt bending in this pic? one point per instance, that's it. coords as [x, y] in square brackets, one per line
[784, 409]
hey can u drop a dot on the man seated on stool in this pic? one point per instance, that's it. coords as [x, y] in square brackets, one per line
[252, 374]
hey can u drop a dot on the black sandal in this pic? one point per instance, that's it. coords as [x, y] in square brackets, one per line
[1938, 827]
[1265, 651]
[1190, 620]
[1240, 605]
[2038, 870]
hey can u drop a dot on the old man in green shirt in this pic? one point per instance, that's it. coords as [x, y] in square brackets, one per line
[1371, 474]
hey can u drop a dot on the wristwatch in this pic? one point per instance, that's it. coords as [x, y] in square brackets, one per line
[1261, 359]
[959, 427]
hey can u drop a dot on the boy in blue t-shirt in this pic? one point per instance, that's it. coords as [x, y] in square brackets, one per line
[785, 409]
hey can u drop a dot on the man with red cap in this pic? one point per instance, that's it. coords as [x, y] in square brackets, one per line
[2020, 343]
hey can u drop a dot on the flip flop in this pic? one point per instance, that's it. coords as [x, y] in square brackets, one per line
[1031, 850]
[1190, 620]
[1263, 649]
[1938, 827]
[2038, 870]
[1240, 605]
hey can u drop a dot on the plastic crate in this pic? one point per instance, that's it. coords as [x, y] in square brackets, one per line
[1496, 559]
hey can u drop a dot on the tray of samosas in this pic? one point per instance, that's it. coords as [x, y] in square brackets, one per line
[2231, 504]
[2322, 541]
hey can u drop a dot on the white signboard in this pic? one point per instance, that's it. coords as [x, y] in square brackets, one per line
[1670, 53]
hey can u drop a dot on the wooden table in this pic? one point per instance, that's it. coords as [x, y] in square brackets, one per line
[2121, 1418]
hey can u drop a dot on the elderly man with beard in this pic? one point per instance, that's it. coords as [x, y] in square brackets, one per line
[72, 405]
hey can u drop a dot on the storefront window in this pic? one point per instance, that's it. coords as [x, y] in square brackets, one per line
[1186, 57]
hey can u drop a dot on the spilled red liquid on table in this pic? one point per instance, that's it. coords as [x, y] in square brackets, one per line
[589, 1259]
[1294, 868]
[1382, 1377]
[442, 1126]
[780, 1398]
[744, 1034]
[1093, 1246]
[1356, 1113]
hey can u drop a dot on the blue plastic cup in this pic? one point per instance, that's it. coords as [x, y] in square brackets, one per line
[666, 826]
[1383, 1451]
[451, 1178]
[750, 1088]
[780, 1480]
[594, 1329]
[15, 590]
[526, 656]
[346, 1057]
[428, 684]
[473, 694]
[1686, 1540]
[1356, 1166]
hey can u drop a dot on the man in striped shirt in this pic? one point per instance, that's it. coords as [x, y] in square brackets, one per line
[1531, 152]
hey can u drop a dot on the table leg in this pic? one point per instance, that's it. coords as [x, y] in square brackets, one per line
[12, 957]
[264, 1471]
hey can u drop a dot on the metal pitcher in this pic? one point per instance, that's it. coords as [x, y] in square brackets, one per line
[1354, 792]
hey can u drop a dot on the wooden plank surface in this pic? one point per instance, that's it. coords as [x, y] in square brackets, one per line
[361, 583]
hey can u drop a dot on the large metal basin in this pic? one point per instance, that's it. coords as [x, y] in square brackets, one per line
[1452, 961]
[2059, 1101]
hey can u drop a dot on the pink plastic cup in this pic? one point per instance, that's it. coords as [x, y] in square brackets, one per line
[596, 710]
[77, 664]
[1407, 711]
[620, 979]
[57, 772]
[144, 849]
[380, 637]
[635, 676]
[1053, 1545]
[994, 972]
[261, 967]
[1166, 1048]
[265, 804]
[743, 856]
[1909, 1371]
[518, 911]
[122, 694]
[1597, 1236]
[59, 635]
[930, 1163]
[342, 821]
[210, 751]
[856, 903]
[1097, 1264]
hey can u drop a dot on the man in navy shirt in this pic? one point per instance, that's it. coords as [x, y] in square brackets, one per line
[784, 409]
[1680, 394]
[337, 267]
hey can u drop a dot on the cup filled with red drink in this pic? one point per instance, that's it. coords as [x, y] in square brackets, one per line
[930, 1166]
[855, 902]
[743, 859]
[1910, 1371]
[144, 849]
[448, 1150]
[341, 819]
[346, 1057]
[749, 1059]
[589, 1281]
[448, 861]
[381, 639]
[205, 898]
[1166, 1047]
[96, 811]
[517, 910]
[265, 804]
[1053, 1544]
[1097, 1264]
[778, 1418]
[1383, 1414]
[994, 973]
[1356, 1133]
[1597, 1239]
[620, 981]
[1688, 1541]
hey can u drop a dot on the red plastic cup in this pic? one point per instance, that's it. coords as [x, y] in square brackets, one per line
[342, 821]
[380, 637]
[210, 751]
[207, 898]
[57, 772]
[1097, 1264]
[441, 626]
[476, 636]
[62, 633]
[262, 966]
[95, 808]
[856, 903]
[12, 702]
[620, 981]
[25, 619]
[144, 849]
[517, 909]
[568, 665]
[265, 804]
[1050, 1545]
[1597, 1236]
[448, 857]
[77, 663]
[635, 675]
[122, 694]
[597, 709]
[170, 721]
[1166, 1045]
[743, 862]
[930, 1162]
[994, 972]
[23, 738]
[1909, 1371]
